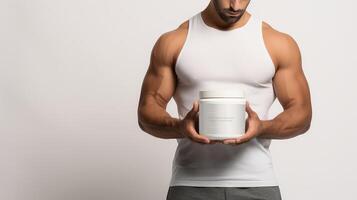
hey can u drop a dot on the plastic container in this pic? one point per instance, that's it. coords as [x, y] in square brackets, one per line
[222, 113]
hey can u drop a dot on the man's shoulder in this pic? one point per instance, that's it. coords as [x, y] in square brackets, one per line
[281, 45]
[175, 36]
[273, 34]
[170, 43]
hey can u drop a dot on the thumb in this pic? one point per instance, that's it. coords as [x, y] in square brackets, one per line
[196, 106]
[193, 110]
[251, 112]
[248, 109]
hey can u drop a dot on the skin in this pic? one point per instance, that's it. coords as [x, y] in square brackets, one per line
[289, 83]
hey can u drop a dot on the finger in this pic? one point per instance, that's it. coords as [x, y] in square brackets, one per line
[241, 139]
[192, 112]
[195, 106]
[197, 137]
[245, 138]
[195, 109]
[229, 141]
[236, 141]
[201, 139]
[215, 141]
[248, 109]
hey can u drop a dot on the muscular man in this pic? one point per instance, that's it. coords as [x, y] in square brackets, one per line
[224, 46]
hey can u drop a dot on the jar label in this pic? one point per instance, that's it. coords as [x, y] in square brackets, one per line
[221, 120]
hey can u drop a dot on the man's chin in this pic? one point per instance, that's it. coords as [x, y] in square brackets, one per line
[231, 20]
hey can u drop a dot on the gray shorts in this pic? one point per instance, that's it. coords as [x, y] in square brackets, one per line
[223, 193]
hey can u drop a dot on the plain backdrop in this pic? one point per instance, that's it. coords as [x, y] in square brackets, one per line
[70, 79]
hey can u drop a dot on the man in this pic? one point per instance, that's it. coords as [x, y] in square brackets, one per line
[224, 46]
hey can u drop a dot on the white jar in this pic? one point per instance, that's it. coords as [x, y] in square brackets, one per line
[222, 113]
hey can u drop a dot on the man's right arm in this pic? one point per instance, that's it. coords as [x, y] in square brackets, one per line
[158, 87]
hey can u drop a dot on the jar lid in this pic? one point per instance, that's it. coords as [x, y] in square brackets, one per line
[236, 93]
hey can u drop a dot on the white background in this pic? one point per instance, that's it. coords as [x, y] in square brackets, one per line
[70, 79]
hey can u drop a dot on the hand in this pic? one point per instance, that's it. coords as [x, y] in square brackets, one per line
[189, 124]
[253, 126]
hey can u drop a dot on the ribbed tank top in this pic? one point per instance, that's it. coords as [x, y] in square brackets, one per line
[216, 59]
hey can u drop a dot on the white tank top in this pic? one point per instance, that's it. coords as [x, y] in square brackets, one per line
[217, 59]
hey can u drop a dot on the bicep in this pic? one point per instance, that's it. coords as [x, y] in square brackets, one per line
[159, 82]
[290, 84]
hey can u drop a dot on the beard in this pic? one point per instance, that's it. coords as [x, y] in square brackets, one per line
[228, 18]
[224, 15]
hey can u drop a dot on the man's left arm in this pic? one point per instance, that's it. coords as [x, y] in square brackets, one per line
[292, 91]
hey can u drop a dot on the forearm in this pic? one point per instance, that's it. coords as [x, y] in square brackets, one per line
[290, 123]
[158, 123]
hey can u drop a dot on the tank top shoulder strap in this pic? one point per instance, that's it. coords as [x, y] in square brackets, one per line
[253, 24]
[194, 24]
[257, 21]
